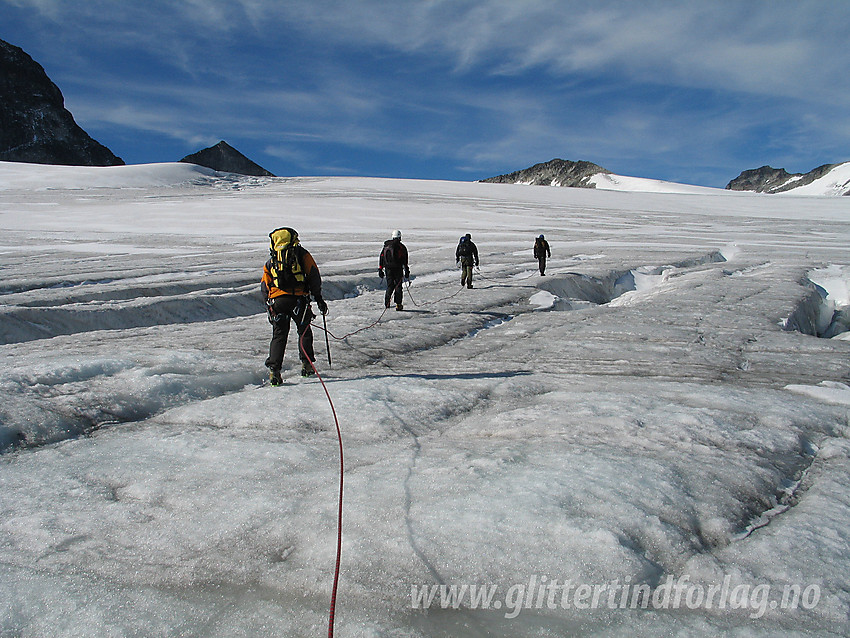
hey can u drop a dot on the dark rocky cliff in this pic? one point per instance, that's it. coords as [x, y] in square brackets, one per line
[35, 126]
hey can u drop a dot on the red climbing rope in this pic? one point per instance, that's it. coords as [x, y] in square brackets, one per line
[332, 611]
[341, 485]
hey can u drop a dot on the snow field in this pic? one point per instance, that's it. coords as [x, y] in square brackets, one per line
[648, 416]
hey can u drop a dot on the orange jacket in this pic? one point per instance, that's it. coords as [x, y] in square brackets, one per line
[312, 279]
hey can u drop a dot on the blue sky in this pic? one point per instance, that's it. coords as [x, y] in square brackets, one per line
[693, 92]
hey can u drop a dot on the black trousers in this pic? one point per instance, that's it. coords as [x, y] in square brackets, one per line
[284, 309]
[541, 264]
[394, 291]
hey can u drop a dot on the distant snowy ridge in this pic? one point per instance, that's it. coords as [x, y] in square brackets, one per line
[835, 182]
[18, 175]
[826, 180]
[582, 174]
[611, 182]
[23, 176]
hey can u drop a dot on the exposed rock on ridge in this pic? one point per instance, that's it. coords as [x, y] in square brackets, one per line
[223, 157]
[556, 172]
[35, 126]
[775, 180]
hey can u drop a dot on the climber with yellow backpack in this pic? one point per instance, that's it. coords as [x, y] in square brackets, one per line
[290, 276]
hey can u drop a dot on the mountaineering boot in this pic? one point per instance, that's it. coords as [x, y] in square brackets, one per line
[399, 306]
[307, 369]
[469, 285]
[274, 377]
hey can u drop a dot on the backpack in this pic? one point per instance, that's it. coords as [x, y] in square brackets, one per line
[286, 264]
[390, 255]
[464, 249]
[539, 247]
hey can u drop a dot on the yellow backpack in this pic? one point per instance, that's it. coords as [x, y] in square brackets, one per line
[287, 267]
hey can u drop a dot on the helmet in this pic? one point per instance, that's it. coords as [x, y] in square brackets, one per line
[541, 237]
[396, 234]
[468, 236]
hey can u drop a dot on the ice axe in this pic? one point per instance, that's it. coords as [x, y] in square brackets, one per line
[327, 341]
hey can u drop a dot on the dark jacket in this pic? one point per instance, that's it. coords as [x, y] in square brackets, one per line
[467, 249]
[541, 248]
[399, 251]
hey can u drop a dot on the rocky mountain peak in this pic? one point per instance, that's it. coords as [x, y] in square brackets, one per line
[35, 126]
[226, 159]
[775, 180]
[759, 179]
[556, 172]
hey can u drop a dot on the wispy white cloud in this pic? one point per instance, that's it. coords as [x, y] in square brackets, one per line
[787, 48]
[783, 48]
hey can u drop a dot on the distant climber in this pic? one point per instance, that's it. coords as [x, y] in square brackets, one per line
[467, 257]
[541, 251]
[393, 263]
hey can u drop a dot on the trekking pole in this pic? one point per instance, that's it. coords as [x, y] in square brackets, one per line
[327, 341]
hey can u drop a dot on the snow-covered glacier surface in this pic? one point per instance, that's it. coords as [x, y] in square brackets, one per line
[650, 440]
